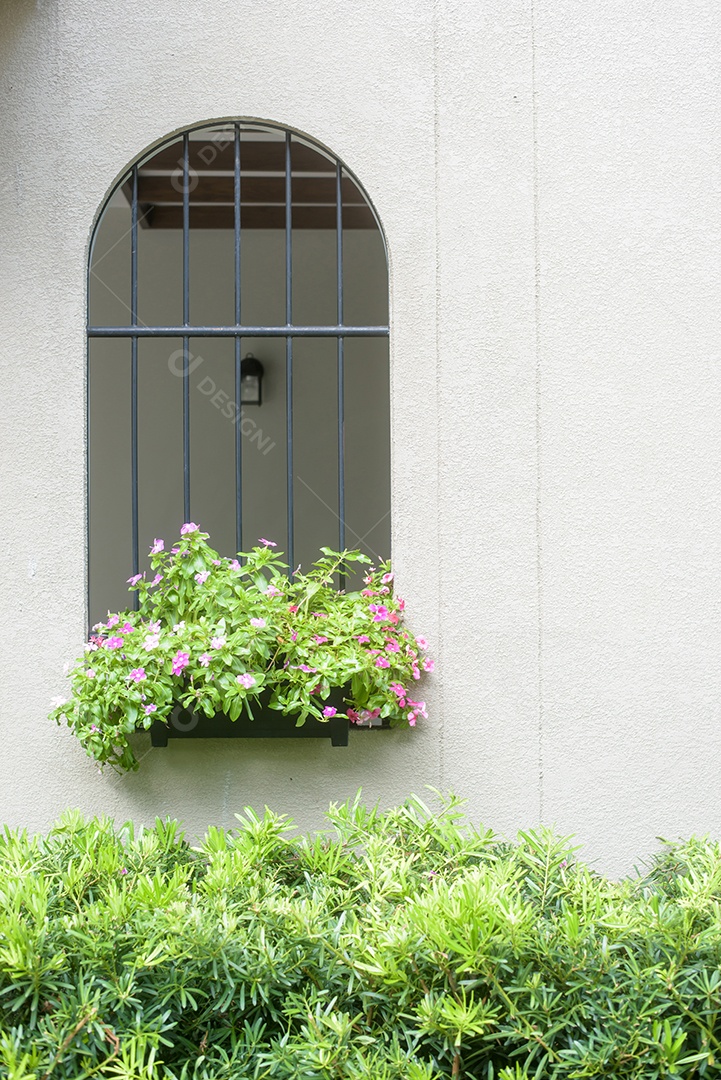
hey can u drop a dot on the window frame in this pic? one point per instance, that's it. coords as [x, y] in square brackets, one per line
[135, 330]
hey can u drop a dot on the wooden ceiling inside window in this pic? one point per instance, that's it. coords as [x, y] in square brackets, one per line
[262, 188]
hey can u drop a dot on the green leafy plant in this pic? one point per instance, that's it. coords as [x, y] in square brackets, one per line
[397, 945]
[213, 634]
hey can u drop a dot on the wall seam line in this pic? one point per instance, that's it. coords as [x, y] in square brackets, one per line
[539, 472]
[437, 312]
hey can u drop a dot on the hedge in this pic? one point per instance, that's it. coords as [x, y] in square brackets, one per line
[403, 945]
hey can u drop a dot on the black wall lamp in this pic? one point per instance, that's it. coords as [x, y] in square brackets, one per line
[251, 381]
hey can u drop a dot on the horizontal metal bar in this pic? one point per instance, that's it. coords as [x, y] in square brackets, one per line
[237, 331]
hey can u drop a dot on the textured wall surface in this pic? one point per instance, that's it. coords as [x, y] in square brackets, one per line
[547, 174]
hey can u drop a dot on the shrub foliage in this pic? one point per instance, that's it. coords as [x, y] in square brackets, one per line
[402, 945]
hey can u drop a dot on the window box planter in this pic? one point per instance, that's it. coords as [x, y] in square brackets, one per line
[212, 641]
[267, 723]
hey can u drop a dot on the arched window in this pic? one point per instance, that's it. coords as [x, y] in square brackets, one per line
[228, 240]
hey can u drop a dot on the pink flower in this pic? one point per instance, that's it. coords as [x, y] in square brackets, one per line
[151, 642]
[134, 579]
[268, 543]
[273, 591]
[393, 618]
[363, 639]
[292, 608]
[189, 527]
[235, 565]
[428, 665]
[319, 639]
[122, 870]
[416, 672]
[294, 635]
[114, 643]
[174, 550]
[384, 590]
[392, 646]
[202, 577]
[319, 614]
[126, 628]
[180, 661]
[215, 562]
[387, 578]
[156, 580]
[94, 728]
[158, 546]
[150, 708]
[421, 643]
[205, 659]
[368, 579]
[401, 604]
[137, 674]
[154, 627]
[113, 621]
[397, 689]
[329, 711]
[353, 716]
[419, 707]
[218, 642]
[246, 679]
[367, 592]
[382, 662]
[411, 719]
[90, 673]
[257, 623]
[307, 669]
[380, 612]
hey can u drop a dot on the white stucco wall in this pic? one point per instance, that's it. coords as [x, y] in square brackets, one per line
[547, 176]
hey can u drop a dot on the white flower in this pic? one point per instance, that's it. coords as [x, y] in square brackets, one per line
[57, 702]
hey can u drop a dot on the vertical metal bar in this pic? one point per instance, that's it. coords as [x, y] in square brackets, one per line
[289, 350]
[339, 237]
[341, 367]
[134, 379]
[238, 441]
[186, 322]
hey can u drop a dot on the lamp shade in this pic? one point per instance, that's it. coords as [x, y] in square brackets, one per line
[251, 381]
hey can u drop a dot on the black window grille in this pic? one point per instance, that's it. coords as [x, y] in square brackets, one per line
[336, 201]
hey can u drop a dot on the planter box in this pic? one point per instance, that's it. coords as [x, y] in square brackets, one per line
[267, 724]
